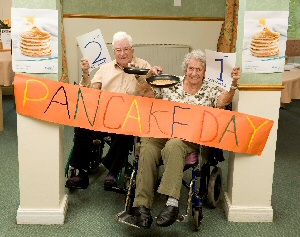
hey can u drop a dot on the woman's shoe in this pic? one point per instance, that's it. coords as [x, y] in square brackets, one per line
[167, 216]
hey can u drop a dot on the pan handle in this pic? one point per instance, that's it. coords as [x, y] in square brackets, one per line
[135, 70]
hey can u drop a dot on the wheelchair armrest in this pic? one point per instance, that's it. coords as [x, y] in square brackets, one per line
[212, 155]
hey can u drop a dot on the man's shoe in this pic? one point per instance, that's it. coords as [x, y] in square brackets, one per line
[142, 217]
[79, 181]
[110, 181]
[167, 216]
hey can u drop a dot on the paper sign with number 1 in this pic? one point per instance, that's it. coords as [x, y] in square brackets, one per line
[94, 49]
[219, 67]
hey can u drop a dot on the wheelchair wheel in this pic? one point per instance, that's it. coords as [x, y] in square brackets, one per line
[94, 166]
[214, 188]
[126, 182]
[127, 175]
[97, 154]
[198, 216]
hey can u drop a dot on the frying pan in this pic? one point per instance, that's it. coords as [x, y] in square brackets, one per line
[161, 80]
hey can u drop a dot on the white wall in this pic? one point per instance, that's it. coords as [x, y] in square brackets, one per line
[197, 34]
[5, 6]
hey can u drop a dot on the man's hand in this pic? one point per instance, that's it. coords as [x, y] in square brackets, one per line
[85, 66]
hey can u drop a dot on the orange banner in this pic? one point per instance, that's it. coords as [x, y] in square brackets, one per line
[99, 110]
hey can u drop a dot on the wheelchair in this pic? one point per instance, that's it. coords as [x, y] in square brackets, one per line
[204, 187]
[97, 151]
[95, 161]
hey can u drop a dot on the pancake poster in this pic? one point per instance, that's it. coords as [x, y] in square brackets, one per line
[34, 40]
[112, 112]
[265, 35]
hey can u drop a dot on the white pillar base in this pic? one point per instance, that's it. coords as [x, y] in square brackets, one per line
[246, 213]
[43, 216]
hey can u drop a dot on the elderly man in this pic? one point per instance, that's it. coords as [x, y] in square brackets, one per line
[110, 77]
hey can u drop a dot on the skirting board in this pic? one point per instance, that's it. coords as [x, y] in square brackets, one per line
[44, 216]
[246, 213]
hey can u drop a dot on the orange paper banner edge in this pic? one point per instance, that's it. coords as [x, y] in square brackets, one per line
[100, 110]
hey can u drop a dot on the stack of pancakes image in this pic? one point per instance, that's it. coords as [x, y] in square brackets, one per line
[265, 43]
[35, 43]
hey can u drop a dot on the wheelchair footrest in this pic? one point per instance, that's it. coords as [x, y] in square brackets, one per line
[126, 218]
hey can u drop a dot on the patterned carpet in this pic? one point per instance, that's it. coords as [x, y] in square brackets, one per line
[91, 212]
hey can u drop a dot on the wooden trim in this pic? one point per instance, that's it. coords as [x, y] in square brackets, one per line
[7, 90]
[255, 87]
[175, 18]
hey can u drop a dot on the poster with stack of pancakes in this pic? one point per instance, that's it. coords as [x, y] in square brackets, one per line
[264, 43]
[34, 40]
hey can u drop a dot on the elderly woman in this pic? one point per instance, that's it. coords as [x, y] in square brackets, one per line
[191, 89]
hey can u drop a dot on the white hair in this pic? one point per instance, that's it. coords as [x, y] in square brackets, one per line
[121, 35]
[195, 54]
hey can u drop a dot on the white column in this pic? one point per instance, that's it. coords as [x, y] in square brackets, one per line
[43, 199]
[250, 178]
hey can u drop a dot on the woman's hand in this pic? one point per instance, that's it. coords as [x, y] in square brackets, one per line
[226, 96]
[142, 87]
[154, 71]
[235, 74]
[85, 66]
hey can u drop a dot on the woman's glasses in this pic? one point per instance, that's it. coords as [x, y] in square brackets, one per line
[194, 69]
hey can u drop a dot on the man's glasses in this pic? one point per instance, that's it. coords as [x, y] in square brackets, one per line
[125, 50]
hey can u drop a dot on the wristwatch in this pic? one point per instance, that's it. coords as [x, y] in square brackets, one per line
[233, 87]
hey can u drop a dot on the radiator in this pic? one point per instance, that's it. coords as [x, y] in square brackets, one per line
[169, 56]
